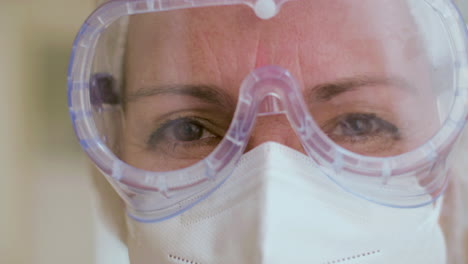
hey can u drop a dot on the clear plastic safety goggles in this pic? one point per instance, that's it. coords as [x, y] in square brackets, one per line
[165, 96]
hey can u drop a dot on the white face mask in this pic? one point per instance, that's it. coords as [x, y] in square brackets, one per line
[278, 207]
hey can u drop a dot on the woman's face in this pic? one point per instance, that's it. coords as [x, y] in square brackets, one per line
[362, 70]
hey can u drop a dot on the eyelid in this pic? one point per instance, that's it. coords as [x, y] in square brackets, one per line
[387, 126]
[157, 134]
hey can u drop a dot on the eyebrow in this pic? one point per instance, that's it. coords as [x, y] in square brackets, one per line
[208, 93]
[327, 91]
[321, 92]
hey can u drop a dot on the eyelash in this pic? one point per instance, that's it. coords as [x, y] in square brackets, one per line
[161, 133]
[345, 127]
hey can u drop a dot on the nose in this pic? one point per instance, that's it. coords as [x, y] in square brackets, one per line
[275, 128]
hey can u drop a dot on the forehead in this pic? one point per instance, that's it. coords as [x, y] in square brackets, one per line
[317, 40]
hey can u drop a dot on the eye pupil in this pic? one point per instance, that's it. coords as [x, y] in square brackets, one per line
[360, 125]
[188, 131]
[357, 125]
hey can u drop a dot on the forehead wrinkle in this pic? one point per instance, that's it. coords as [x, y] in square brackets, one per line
[261, 55]
[230, 58]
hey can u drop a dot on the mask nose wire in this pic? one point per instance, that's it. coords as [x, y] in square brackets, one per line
[270, 92]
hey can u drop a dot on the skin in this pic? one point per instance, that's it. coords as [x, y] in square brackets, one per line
[326, 45]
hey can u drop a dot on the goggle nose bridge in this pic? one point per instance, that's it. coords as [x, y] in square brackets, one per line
[268, 89]
[272, 90]
[271, 104]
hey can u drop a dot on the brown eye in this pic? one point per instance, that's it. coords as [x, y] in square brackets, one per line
[183, 130]
[186, 139]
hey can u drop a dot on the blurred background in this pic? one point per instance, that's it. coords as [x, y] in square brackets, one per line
[45, 208]
[44, 191]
